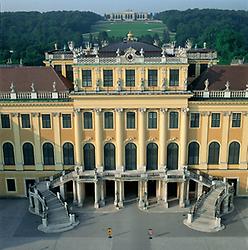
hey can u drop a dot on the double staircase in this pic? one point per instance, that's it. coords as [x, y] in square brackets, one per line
[205, 215]
[51, 207]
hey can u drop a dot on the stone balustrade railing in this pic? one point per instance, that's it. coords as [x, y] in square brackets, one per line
[221, 94]
[207, 56]
[33, 95]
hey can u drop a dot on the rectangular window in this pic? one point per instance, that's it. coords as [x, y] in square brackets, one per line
[88, 120]
[108, 120]
[108, 78]
[69, 72]
[152, 120]
[11, 185]
[173, 120]
[25, 120]
[66, 118]
[194, 120]
[46, 121]
[130, 120]
[5, 121]
[215, 121]
[130, 78]
[58, 69]
[152, 77]
[236, 120]
[86, 78]
[174, 77]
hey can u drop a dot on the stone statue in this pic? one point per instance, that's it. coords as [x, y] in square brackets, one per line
[164, 84]
[12, 87]
[142, 52]
[119, 84]
[163, 52]
[32, 87]
[76, 85]
[227, 85]
[246, 87]
[142, 85]
[188, 44]
[118, 52]
[206, 82]
[54, 87]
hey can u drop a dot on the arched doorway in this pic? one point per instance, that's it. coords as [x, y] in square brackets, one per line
[172, 156]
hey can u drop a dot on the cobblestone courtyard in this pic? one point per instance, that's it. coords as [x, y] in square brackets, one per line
[18, 230]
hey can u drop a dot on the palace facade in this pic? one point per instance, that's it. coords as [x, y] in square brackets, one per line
[126, 120]
[128, 15]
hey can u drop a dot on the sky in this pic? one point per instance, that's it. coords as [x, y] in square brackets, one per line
[105, 6]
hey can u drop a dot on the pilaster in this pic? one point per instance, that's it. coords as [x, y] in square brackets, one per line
[183, 137]
[142, 138]
[78, 134]
[57, 141]
[162, 138]
[244, 143]
[37, 143]
[224, 140]
[98, 138]
[119, 139]
[17, 142]
[204, 139]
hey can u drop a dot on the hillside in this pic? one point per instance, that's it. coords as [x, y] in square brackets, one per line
[224, 30]
[29, 34]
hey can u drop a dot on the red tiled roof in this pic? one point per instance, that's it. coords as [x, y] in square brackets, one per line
[218, 75]
[23, 77]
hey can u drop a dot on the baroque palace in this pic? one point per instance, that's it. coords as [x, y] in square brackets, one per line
[126, 120]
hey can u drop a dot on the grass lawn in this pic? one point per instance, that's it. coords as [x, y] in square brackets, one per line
[120, 29]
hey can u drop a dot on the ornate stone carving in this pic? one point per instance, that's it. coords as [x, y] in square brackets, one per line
[119, 110]
[205, 113]
[77, 111]
[163, 110]
[108, 139]
[35, 114]
[98, 110]
[56, 114]
[15, 114]
[227, 113]
[142, 110]
[184, 110]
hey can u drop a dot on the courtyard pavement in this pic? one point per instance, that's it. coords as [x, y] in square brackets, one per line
[18, 230]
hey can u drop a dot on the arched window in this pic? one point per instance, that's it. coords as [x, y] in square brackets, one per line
[48, 154]
[172, 156]
[8, 154]
[233, 156]
[131, 156]
[68, 153]
[213, 153]
[193, 153]
[152, 156]
[28, 153]
[109, 156]
[89, 157]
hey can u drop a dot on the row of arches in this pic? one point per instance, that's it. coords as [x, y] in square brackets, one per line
[130, 155]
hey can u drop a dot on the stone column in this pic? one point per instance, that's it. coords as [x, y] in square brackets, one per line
[1, 160]
[98, 138]
[244, 144]
[116, 193]
[146, 194]
[74, 192]
[78, 135]
[102, 200]
[141, 192]
[197, 69]
[199, 190]
[62, 190]
[96, 205]
[182, 195]
[37, 143]
[162, 138]
[224, 140]
[183, 137]
[80, 194]
[204, 138]
[121, 184]
[166, 204]
[141, 139]
[187, 202]
[57, 141]
[119, 139]
[17, 142]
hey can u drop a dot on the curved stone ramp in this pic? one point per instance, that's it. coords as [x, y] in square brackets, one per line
[206, 217]
[57, 218]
